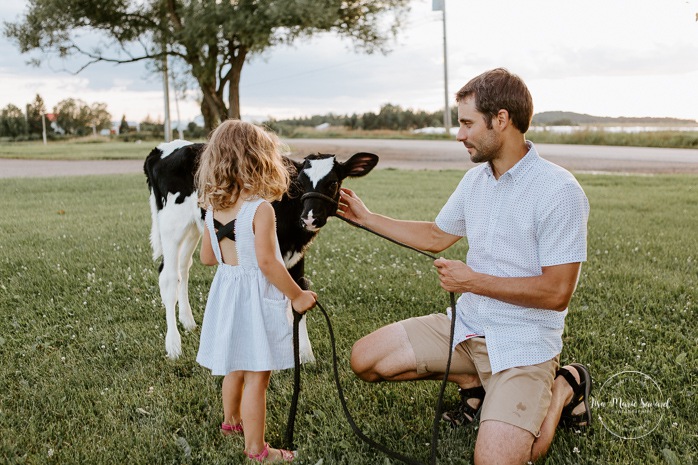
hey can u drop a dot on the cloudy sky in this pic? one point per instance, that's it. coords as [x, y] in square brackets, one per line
[601, 57]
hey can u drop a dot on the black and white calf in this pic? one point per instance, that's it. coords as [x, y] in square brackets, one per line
[177, 221]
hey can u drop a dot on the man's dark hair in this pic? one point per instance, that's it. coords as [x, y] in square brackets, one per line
[496, 90]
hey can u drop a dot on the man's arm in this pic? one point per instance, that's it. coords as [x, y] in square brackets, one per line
[423, 235]
[551, 290]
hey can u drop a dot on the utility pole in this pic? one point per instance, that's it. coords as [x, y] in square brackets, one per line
[43, 126]
[440, 5]
[166, 88]
[179, 118]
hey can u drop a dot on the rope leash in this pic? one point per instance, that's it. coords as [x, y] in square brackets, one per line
[340, 391]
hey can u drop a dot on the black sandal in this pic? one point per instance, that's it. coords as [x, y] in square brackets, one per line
[582, 390]
[465, 414]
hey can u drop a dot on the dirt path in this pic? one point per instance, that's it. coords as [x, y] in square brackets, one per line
[406, 154]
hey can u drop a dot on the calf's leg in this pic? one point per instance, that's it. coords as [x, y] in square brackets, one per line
[169, 282]
[186, 250]
[173, 227]
[297, 272]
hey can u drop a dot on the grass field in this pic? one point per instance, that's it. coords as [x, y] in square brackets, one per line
[598, 136]
[85, 149]
[83, 372]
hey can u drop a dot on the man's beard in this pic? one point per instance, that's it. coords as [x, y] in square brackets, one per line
[488, 150]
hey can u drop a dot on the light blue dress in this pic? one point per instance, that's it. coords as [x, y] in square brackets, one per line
[248, 324]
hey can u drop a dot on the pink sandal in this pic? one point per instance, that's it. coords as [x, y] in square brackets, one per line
[227, 428]
[286, 455]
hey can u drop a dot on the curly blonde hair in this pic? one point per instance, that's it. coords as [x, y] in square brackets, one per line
[241, 156]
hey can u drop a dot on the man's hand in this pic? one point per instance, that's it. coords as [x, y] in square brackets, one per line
[551, 290]
[455, 276]
[351, 207]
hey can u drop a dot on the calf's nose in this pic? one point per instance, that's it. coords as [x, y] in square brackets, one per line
[308, 222]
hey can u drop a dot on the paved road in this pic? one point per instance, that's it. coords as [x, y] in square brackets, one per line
[11, 168]
[441, 154]
[406, 154]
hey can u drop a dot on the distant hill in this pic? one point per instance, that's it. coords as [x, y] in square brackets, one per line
[568, 118]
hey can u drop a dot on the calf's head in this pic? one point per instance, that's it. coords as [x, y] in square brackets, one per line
[319, 179]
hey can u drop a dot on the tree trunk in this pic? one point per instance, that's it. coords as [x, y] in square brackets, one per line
[236, 63]
[212, 107]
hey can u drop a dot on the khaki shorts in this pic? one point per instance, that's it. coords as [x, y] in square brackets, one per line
[519, 396]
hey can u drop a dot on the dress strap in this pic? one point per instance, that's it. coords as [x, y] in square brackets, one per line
[225, 230]
[212, 232]
[244, 233]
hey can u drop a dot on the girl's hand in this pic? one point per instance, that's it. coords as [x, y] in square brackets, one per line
[304, 302]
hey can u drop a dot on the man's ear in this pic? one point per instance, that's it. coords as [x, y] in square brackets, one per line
[502, 120]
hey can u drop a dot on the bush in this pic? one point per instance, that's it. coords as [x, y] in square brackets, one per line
[659, 139]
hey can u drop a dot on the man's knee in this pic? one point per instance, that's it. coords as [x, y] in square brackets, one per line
[384, 355]
[362, 363]
[493, 434]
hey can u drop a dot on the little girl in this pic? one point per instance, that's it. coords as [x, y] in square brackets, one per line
[247, 327]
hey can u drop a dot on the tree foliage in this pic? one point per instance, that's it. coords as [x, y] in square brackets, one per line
[35, 110]
[12, 121]
[211, 39]
[390, 116]
[78, 118]
[99, 116]
[123, 126]
[71, 116]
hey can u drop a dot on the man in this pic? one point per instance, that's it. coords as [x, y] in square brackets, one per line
[525, 221]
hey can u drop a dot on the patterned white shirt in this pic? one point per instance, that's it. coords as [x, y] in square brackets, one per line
[535, 215]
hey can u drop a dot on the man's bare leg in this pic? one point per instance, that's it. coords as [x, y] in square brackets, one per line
[500, 443]
[561, 395]
[387, 355]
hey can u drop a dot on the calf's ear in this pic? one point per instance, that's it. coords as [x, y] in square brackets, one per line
[292, 165]
[360, 164]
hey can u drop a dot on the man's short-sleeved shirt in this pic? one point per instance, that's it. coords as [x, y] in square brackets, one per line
[535, 215]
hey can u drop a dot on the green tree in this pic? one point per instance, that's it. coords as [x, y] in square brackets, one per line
[34, 112]
[370, 121]
[353, 121]
[151, 127]
[73, 116]
[212, 40]
[123, 126]
[390, 117]
[13, 123]
[195, 131]
[99, 117]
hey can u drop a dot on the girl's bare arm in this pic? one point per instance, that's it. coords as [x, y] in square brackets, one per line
[265, 243]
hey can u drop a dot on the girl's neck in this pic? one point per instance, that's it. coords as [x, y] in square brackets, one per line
[243, 195]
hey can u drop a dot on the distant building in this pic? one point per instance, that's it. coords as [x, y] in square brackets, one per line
[435, 130]
[52, 117]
